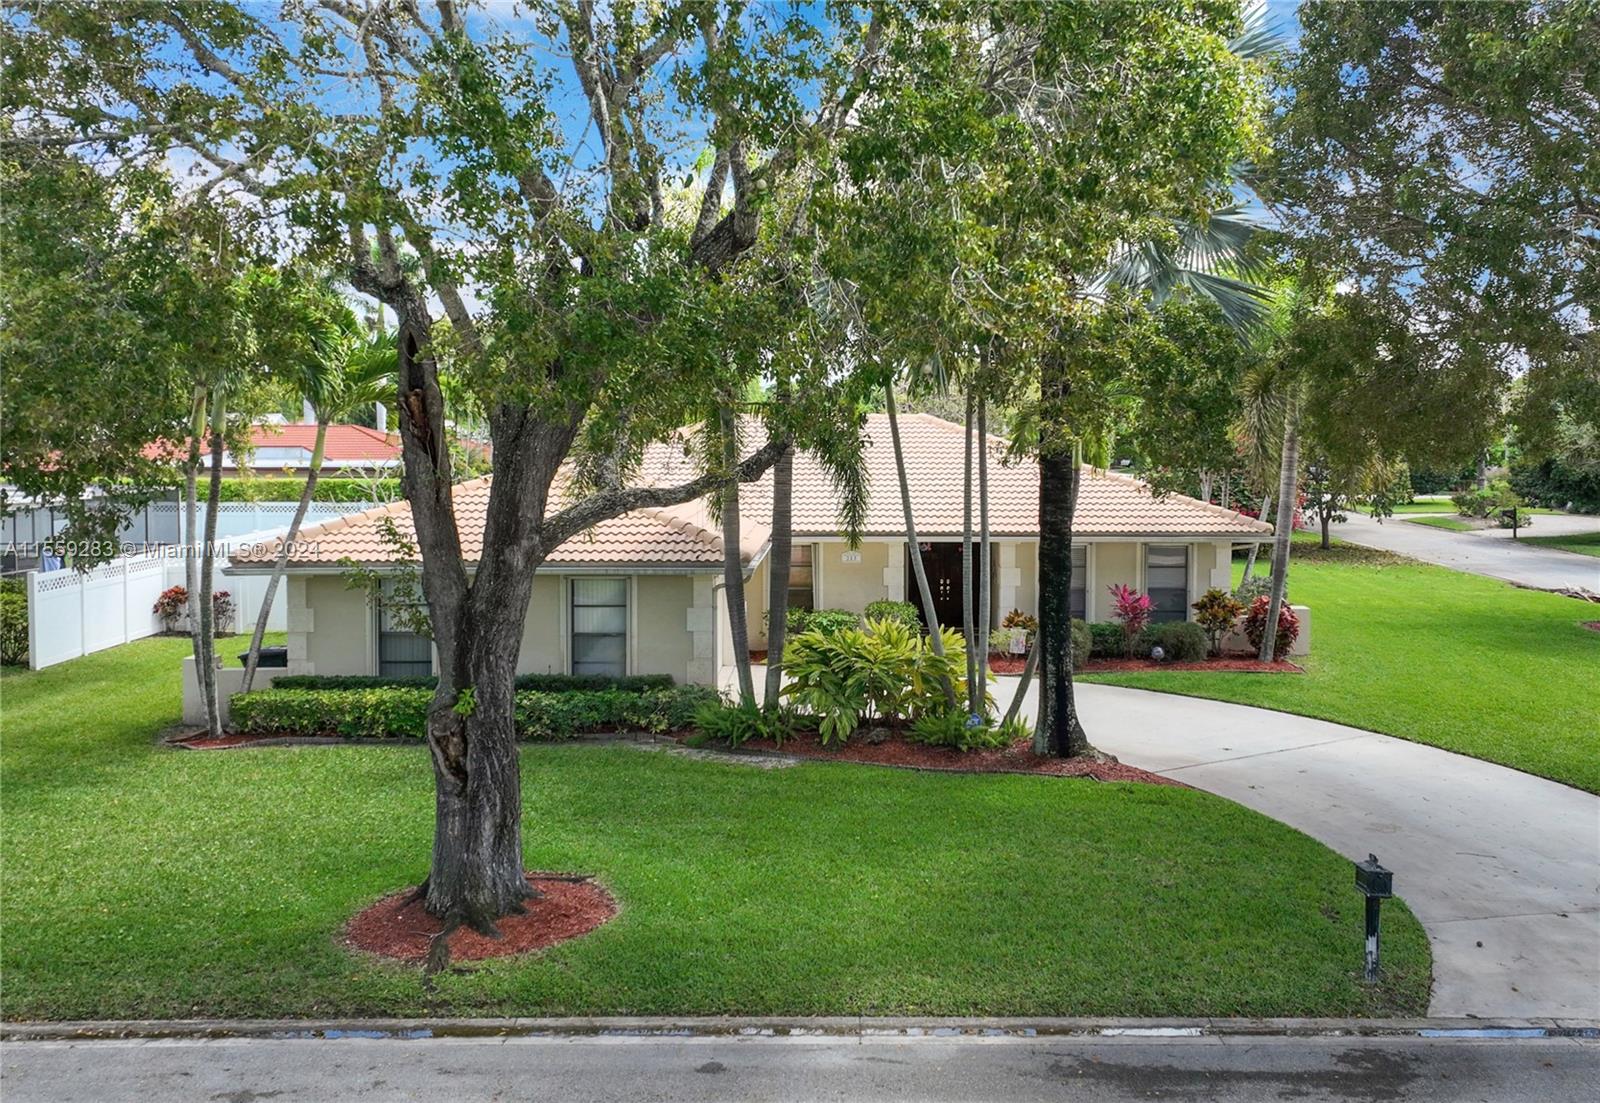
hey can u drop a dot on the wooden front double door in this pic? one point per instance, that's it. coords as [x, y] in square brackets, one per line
[941, 559]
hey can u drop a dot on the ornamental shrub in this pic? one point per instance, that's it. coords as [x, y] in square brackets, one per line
[1488, 502]
[954, 728]
[821, 620]
[736, 725]
[1255, 626]
[13, 628]
[170, 606]
[887, 671]
[401, 712]
[541, 683]
[1215, 613]
[902, 611]
[1254, 587]
[1082, 643]
[1181, 641]
[1132, 610]
[222, 611]
[1106, 640]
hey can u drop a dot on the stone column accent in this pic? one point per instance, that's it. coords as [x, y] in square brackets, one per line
[894, 574]
[701, 623]
[1009, 577]
[301, 621]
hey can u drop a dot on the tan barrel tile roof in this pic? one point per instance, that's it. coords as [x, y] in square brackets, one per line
[1109, 505]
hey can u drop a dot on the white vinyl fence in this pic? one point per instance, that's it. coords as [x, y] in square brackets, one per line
[162, 522]
[72, 614]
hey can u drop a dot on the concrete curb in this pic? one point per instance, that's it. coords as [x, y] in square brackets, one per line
[799, 1027]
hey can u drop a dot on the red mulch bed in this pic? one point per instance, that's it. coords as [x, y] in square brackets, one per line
[1015, 759]
[206, 743]
[570, 907]
[1240, 664]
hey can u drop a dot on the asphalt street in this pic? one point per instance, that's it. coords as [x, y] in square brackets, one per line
[1005, 1069]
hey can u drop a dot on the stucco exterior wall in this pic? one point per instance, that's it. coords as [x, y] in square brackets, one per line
[334, 626]
[544, 633]
[755, 594]
[851, 586]
[662, 643]
[1112, 564]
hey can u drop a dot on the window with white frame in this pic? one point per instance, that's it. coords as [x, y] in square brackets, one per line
[802, 578]
[600, 626]
[1080, 581]
[1166, 580]
[402, 651]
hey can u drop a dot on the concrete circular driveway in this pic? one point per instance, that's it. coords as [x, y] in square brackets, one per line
[1501, 867]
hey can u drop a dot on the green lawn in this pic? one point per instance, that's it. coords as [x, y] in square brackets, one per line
[1454, 524]
[1584, 543]
[1424, 505]
[1442, 657]
[141, 881]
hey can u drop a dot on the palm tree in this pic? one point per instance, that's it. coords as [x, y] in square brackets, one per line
[924, 591]
[1209, 261]
[1259, 434]
[732, 564]
[347, 369]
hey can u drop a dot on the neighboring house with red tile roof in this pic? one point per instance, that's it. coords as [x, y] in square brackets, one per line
[277, 448]
[642, 593]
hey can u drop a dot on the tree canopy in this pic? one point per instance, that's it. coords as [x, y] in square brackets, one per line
[1441, 157]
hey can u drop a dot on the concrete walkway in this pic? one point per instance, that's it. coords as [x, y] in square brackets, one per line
[1483, 553]
[1501, 867]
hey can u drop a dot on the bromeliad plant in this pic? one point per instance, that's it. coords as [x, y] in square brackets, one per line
[1132, 610]
[888, 672]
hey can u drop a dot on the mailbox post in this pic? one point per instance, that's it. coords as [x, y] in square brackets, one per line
[1377, 885]
[1514, 517]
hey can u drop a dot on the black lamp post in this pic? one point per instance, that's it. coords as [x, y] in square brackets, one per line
[1377, 885]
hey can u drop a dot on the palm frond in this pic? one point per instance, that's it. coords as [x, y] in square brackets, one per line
[1262, 35]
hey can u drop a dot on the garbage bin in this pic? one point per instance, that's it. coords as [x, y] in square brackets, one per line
[270, 656]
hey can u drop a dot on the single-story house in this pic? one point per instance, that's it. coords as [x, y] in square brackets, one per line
[643, 593]
[277, 447]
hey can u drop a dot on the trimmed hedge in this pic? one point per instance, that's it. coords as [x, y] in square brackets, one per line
[401, 712]
[1182, 641]
[1082, 642]
[13, 628]
[538, 683]
[1106, 640]
[902, 611]
[335, 488]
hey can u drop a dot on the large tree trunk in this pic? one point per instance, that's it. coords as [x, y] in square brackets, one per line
[968, 629]
[1059, 731]
[1327, 518]
[732, 567]
[931, 616]
[306, 495]
[476, 874]
[1250, 561]
[1281, 539]
[984, 612]
[779, 561]
[206, 661]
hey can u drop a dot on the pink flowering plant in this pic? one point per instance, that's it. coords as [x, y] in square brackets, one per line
[1132, 610]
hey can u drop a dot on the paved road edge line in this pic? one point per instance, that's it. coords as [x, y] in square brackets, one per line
[795, 1026]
